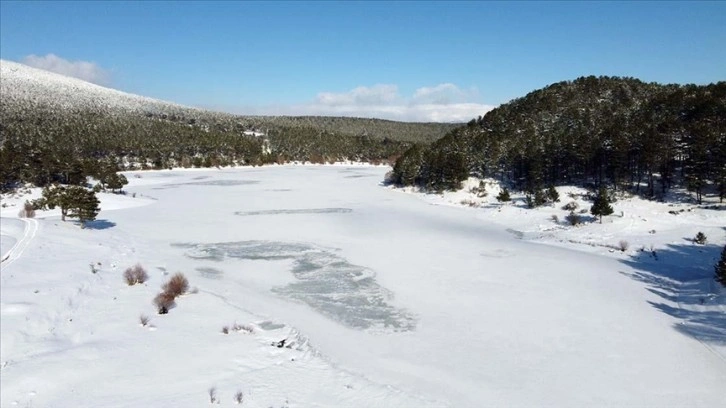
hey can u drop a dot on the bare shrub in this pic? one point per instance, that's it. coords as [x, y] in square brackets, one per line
[212, 395]
[623, 245]
[144, 320]
[28, 210]
[164, 301]
[700, 238]
[129, 277]
[140, 273]
[225, 330]
[573, 219]
[242, 328]
[470, 203]
[177, 285]
[571, 206]
[238, 396]
[555, 218]
[135, 274]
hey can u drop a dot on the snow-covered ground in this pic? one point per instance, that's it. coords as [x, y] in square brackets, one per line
[20, 82]
[384, 299]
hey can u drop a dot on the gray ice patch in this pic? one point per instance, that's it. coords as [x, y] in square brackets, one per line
[210, 273]
[220, 183]
[328, 283]
[296, 211]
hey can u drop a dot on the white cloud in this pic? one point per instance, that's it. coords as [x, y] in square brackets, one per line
[361, 96]
[87, 71]
[441, 103]
[443, 94]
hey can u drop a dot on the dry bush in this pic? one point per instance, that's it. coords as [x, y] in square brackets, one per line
[571, 206]
[129, 277]
[140, 273]
[623, 245]
[700, 238]
[164, 301]
[28, 210]
[177, 285]
[238, 396]
[225, 330]
[245, 328]
[212, 395]
[470, 203]
[135, 274]
[144, 320]
[573, 219]
[555, 219]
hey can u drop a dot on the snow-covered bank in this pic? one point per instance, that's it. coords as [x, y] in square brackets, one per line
[385, 300]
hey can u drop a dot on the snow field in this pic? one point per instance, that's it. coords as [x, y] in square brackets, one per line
[502, 306]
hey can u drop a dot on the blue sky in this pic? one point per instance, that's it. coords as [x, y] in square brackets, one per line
[399, 60]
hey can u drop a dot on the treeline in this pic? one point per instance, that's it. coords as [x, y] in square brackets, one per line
[619, 132]
[43, 144]
[44, 147]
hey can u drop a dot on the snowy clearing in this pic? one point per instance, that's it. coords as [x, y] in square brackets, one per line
[382, 299]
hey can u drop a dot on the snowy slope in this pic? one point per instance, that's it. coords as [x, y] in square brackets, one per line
[23, 85]
[388, 301]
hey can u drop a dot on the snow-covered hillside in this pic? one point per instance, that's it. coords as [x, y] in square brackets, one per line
[24, 85]
[384, 299]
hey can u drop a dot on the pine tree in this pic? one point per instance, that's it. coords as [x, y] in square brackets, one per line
[503, 195]
[601, 206]
[73, 201]
[116, 181]
[552, 194]
[720, 268]
[86, 206]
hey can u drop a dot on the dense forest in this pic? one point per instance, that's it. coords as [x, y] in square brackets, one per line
[599, 131]
[59, 129]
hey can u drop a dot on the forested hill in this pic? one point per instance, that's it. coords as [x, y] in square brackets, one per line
[52, 125]
[620, 132]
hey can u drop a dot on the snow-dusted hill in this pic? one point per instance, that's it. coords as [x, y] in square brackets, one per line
[24, 86]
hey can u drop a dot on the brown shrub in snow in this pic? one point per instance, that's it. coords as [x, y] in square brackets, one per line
[623, 245]
[164, 301]
[135, 274]
[177, 285]
[28, 210]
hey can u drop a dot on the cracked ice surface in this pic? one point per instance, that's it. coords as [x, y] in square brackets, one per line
[327, 282]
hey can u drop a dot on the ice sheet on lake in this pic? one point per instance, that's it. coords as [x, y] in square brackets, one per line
[330, 284]
[220, 183]
[208, 272]
[296, 211]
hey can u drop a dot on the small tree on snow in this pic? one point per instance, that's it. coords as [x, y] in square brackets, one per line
[73, 201]
[601, 206]
[504, 195]
[552, 194]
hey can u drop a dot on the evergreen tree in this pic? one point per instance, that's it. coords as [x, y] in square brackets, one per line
[116, 181]
[504, 195]
[552, 194]
[601, 206]
[720, 268]
[73, 201]
[536, 199]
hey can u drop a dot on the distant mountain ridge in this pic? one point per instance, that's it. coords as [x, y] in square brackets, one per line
[56, 129]
[23, 87]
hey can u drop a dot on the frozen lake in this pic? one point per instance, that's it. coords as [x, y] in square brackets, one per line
[413, 304]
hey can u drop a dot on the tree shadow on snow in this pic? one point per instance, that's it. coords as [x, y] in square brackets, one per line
[682, 276]
[99, 224]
